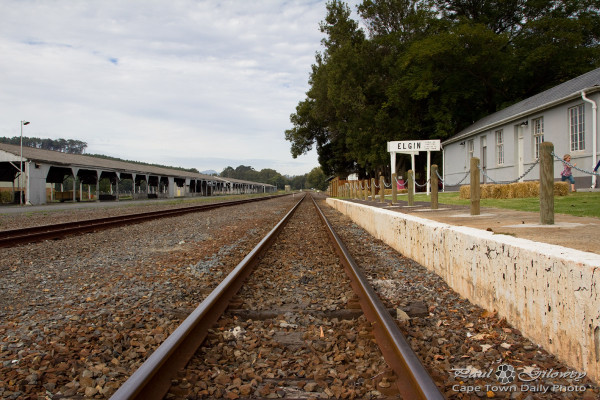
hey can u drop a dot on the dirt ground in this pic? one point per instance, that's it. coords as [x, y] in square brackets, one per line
[581, 233]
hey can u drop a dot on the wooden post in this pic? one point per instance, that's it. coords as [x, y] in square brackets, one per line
[366, 189]
[434, 187]
[381, 189]
[475, 189]
[372, 189]
[546, 184]
[411, 188]
[394, 189]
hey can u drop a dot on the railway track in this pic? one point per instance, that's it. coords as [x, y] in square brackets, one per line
[14, 237]
[287, 327]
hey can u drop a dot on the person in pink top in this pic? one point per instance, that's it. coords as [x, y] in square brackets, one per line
[566, 174]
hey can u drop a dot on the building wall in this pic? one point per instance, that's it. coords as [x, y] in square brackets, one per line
[556, 130]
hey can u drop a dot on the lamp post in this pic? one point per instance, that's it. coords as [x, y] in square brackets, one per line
[21, 165]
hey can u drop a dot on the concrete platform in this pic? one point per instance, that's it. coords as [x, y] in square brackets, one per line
[544, 280]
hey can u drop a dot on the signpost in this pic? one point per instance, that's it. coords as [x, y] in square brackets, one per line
[413, 147]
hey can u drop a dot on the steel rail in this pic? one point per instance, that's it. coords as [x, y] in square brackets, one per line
[14, 237]
[153, 378]
[414, 382]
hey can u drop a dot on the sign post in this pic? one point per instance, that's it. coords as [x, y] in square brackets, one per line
[413, 147]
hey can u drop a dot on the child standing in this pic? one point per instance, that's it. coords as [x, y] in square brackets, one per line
[566, 174]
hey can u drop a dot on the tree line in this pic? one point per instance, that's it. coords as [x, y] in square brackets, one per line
[426, 69]
[70, 146]
[315, 179]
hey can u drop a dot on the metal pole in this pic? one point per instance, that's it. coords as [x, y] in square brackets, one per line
[21, 169]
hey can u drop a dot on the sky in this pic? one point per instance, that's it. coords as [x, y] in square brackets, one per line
[200, 84]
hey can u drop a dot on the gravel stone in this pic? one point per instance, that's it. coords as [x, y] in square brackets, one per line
[79, 315]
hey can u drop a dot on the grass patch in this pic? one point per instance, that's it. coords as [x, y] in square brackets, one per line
[580, 204]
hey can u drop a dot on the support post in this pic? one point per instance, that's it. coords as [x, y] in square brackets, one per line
[546, 184]
[74, 188]
[411, 188]
[381, 189]
[394, 189]
[434, 187]
[372, 189]
[475, 188]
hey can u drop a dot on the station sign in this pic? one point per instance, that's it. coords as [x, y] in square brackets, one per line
[410, 146]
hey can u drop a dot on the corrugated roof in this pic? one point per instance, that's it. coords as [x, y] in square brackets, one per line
[83, 161]
[89, 162]
[566, 91]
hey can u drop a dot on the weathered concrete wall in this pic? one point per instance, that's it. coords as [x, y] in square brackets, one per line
[548, 292]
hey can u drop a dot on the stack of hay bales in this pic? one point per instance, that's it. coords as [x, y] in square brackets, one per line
[517, 190]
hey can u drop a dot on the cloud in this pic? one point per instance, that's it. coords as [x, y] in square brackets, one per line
[179, 82]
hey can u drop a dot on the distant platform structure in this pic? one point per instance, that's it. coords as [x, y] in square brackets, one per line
[45, 172]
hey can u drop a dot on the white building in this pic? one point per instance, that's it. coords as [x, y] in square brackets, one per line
[507, 142]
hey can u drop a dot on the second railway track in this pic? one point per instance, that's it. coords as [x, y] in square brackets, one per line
[14, 237]
[292, 331]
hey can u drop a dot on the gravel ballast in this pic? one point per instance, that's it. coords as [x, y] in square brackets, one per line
[79, 315]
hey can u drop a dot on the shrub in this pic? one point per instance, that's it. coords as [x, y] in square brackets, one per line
[6, 197]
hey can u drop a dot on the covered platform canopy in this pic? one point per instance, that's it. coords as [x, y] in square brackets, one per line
[43, 167]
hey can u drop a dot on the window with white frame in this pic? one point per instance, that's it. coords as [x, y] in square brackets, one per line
[499, 147]
[577, 128]
[538, 136]
[470, 149]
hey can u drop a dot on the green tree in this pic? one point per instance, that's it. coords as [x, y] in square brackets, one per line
[63, 145]
[298, 182]
[228, 172]
[430, 68]
[316, 179]
[335, 94]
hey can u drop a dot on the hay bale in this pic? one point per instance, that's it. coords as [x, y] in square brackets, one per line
[561, 188]
[516, 190]
[496, 192]
[533, 188]
[464, 192]
[486, 191]
[504, 192]
[519, 190]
